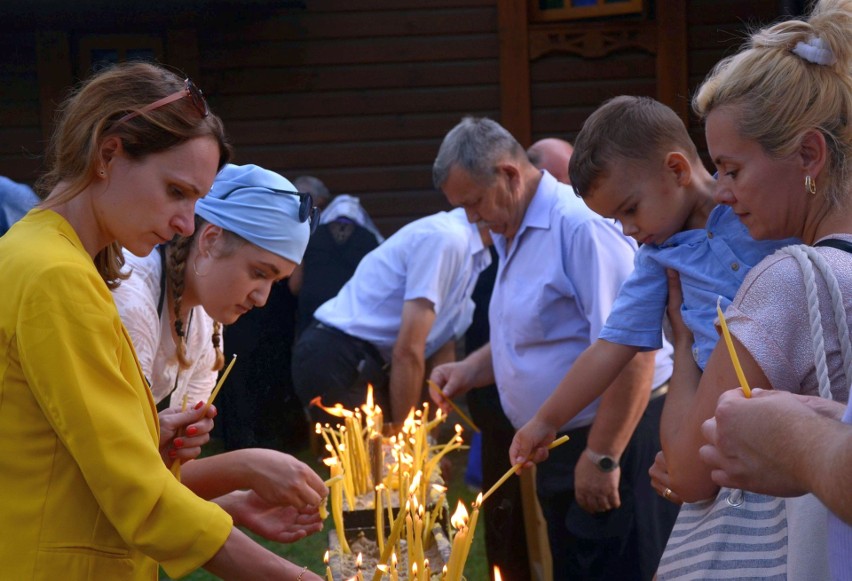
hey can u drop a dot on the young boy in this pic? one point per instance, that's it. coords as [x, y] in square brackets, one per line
[635, 162]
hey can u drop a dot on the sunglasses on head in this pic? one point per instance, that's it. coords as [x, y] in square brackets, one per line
[307, 210]
[189, 90]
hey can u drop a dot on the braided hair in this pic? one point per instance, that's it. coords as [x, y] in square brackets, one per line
[177, 253]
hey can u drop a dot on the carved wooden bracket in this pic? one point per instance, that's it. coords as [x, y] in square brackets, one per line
[591, 41]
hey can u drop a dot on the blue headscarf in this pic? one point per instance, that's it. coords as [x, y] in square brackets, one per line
[241, 201]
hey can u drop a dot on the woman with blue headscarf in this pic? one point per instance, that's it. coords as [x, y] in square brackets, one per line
[251, 231]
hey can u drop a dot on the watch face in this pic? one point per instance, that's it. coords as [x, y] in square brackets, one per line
[606, 464]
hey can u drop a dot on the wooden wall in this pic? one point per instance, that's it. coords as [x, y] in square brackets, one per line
[359, 94]
[360, 97]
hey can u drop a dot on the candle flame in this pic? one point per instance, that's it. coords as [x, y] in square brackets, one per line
[330, 461]
[460, 516]
[325, 558]
[393, 559]
[497, 576]
[478, 502]
[358, 561]
[337, 411]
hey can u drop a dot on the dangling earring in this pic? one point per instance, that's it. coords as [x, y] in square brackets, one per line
[195, 267]
[810, 185]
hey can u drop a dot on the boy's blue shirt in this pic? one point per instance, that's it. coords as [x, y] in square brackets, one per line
[712, 262]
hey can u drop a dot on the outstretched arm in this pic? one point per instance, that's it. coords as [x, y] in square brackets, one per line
[587, 379]
[408, 366]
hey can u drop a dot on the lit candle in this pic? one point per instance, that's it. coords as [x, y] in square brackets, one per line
[731, 351]
[394, 568]
[459, 522]
[358, 563]
[470, 532]
[328, 575]
[497, 576]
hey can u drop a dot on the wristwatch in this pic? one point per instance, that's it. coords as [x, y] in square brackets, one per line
[602, 461]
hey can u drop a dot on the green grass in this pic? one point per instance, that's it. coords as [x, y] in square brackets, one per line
[309, 551]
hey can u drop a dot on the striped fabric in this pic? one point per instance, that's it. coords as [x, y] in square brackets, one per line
[719, 539]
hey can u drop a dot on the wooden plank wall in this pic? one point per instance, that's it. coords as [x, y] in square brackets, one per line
[566, 88]
[361, 93]
[357, 94]
[21, 141]
[718, 28]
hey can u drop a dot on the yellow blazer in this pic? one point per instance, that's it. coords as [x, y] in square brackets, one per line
[84, 493]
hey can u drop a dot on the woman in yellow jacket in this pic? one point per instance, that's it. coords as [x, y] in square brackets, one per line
[84, 492]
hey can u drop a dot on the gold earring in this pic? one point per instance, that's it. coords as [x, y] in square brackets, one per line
[810, 185]
[195, 267]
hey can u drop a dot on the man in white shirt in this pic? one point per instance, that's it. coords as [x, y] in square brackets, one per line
[407, 302]
[560, 269]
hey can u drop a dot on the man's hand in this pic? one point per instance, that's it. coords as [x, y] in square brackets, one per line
[530, 443]
[595, 490]
[453, 379]
[183, 433]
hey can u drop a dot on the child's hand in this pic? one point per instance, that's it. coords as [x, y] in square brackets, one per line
[530, 443]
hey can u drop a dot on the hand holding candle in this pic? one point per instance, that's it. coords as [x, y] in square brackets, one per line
[731, 351]
[557, 442]
[219, 384]
[433, 388]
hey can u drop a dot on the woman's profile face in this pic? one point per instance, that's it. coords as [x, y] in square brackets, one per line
[231, 285]
[766, 193]
[148, 201]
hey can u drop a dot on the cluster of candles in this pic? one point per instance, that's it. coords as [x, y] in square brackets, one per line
[410, 476]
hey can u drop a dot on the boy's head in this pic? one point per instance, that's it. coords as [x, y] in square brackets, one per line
[632, 150]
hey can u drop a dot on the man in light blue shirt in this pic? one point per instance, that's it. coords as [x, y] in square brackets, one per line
[561, 267]
[407, 302]
[15, 201]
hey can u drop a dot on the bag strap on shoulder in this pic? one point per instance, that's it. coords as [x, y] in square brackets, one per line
[836, 243]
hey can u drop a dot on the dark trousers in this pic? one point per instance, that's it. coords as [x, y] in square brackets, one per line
[337, 367]
[621, 544]
[505, 537]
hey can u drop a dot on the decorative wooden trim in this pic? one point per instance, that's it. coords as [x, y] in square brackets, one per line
[515, 99]
[592, 40]
[672, 62]
[573, 12]
[122, 44]
[53, 66]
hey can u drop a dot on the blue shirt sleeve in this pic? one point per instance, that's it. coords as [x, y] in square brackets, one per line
[637, 315]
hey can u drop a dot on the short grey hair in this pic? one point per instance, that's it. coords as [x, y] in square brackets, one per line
[474, 145]
[313, 186]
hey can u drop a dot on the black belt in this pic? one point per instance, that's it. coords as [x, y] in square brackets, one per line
[366, 346]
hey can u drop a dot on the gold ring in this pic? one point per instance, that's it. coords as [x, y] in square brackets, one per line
[299, 578]
[667, 493]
